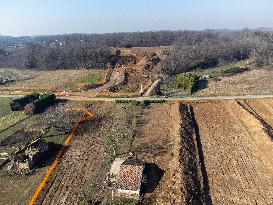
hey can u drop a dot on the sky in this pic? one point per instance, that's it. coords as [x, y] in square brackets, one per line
[43, 17]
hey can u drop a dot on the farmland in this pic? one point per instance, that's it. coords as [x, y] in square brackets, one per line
[237, 163]
[137, 68]
[5, 109]
[135, 117]
[204, 152]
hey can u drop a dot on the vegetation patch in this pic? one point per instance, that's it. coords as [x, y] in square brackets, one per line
[20, 103]
[187, 81]
[11, 119]
[231, 68]
[124, 202]
[235, 71]
[41, 104]
[4, 105]
[92, 78]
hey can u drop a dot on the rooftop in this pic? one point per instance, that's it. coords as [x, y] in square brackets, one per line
[130, 175]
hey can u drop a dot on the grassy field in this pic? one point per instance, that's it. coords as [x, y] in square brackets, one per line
[229, 69]
[91, 78]
[57, 80]
[4, 106]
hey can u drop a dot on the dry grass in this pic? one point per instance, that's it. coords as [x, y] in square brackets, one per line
[57, 80]
[247, 83]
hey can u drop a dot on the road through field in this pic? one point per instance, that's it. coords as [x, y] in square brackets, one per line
[237, 154]
[87, 97]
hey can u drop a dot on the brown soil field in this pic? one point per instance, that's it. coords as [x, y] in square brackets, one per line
[264, 108]
[238, 161]
[250, 82]
[157, 142]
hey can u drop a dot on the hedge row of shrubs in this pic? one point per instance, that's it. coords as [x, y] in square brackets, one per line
[33, 103]
[39, 106]
[20, 103]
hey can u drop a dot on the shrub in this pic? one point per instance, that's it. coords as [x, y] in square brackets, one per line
[123, 101]
[235, 70]
[40, 105]
[20, 103]
[145, 103]
[187, 81]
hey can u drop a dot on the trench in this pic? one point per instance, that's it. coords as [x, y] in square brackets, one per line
[196, 182]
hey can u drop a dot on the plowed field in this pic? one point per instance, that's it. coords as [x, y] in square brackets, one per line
[237, 153]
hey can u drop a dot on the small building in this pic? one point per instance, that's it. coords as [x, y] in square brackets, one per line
[23, 162]
[35, 150]
[126, 177]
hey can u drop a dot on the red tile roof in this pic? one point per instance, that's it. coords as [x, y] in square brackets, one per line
[130, 175]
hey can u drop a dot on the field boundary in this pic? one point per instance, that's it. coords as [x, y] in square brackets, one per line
[268, 129]
[60, 154]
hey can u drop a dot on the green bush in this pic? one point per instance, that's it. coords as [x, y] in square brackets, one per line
[40, 105]
[145, 103]
[187, 81]
[123, 101]
[20, 103]
[158, 101]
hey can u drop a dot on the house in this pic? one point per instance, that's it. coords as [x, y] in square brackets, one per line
[126, 177]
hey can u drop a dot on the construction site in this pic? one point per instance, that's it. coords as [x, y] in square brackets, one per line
[130, 72]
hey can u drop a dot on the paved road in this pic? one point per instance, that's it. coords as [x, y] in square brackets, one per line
[108, 99]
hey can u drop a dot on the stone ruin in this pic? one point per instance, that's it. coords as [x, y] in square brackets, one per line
[24, 161]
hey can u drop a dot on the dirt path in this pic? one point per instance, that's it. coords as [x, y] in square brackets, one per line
[238, 163]
[157, 142]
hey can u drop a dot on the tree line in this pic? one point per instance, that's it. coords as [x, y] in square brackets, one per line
[200, 50]
[189, 50]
